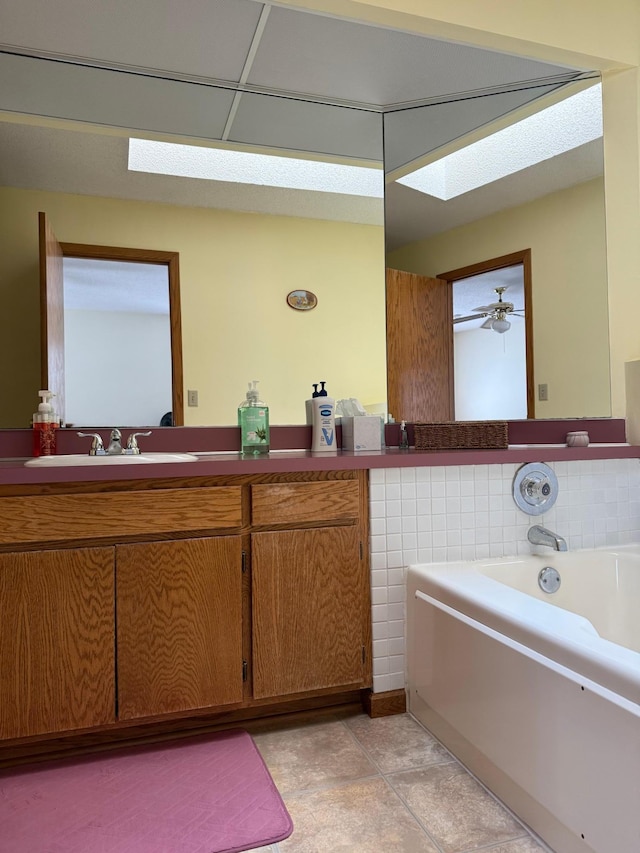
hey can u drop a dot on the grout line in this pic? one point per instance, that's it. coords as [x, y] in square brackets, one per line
[415, 816]
[329, 786]
[391, 787]
[387, 778]
[493, 845]
[402, 769]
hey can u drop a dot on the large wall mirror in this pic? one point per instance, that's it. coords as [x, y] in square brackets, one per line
[508, 184]
[243, 244]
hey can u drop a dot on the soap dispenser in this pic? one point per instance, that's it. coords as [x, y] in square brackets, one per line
[45, 423]
[253, 420]
[323, 434]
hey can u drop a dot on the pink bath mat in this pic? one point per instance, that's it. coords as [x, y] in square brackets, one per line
[208, 794]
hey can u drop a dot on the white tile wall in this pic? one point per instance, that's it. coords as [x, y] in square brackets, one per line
[467, 512]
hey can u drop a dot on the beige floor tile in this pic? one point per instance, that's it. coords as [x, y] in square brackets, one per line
[360, 817]
[397, 742]
[522, 845]
[269, 849]
[455, 809]
[312, 755]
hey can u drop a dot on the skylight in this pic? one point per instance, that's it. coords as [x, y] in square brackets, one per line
[217, 164]
[559, 128]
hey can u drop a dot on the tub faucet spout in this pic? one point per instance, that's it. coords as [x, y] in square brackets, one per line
[538, 535]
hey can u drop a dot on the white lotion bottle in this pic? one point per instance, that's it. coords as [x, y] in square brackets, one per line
[323, 437]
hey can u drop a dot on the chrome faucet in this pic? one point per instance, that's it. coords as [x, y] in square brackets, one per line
[132, 444]
[97, 447]
[538, 535]
[115, 443]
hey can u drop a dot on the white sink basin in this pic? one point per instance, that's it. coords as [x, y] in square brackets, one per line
[85, 459]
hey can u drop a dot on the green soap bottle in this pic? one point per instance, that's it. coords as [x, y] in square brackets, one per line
[253, 420]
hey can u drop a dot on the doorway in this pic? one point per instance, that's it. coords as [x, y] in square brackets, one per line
[493, 338]
[117, 342]
[122, 333]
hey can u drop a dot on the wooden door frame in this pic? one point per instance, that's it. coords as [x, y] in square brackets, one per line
[522, 257]
[149, 256]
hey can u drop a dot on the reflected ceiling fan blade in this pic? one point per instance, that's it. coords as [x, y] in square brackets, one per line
[469, 317]
[496, 306]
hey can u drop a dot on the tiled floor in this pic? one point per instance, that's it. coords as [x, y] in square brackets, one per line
[356, 785]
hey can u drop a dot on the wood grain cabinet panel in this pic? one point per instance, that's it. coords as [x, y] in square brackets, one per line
[308, 610]
[61, 518]
[179, 625]
[57, 668]
[299, 503]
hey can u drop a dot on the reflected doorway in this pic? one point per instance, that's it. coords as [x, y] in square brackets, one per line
[116, 364]
[492, 340]
[117, 342]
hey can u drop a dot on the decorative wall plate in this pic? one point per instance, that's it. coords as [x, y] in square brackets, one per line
[302, 300]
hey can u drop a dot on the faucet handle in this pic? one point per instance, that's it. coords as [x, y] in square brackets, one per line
[97, 447]
[132, 444]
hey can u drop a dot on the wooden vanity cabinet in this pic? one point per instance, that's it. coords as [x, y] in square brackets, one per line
[307, 629]
[179, 628]
[138, 602]
[308, 588]
[57, 663]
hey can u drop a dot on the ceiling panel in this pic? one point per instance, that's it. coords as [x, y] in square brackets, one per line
[334, 58]
[203, 37]
[304, 126]
[409, 134]
[60, 90]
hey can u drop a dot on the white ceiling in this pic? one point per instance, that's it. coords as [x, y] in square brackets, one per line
[202, 72]
[471, 294]
[116, 286]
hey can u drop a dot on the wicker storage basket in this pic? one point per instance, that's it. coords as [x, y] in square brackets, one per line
[458, 435]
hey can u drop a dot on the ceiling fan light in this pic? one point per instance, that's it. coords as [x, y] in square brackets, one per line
[500, 326]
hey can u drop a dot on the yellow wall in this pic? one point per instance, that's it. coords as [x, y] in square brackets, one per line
[566, 234]
[585, 33]
[235, 272]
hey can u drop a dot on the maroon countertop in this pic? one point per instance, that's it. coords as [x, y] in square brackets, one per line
[530, 441]
[13, 471]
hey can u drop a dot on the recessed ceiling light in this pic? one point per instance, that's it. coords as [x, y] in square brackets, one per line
[219, 164]
[552, 131]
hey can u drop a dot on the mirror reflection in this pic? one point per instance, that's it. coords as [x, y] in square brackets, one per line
[461, 192]
[243, 247]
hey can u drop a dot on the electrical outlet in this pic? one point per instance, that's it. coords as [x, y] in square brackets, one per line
[543, 391]
[192, 398]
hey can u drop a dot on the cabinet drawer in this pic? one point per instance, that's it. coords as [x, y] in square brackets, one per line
[291, 503]
[59, 518]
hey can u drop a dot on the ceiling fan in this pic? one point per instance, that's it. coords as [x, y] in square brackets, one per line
[496, 314]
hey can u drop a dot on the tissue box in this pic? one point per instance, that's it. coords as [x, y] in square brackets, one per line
[361, 433]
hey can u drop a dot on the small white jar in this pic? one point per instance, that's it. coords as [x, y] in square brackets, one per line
[578, 439]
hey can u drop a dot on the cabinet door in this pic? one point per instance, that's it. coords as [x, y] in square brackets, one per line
[179, 618]
[307, 605]
[57, 669]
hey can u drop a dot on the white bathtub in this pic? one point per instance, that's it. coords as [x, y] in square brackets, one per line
[538, 694]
